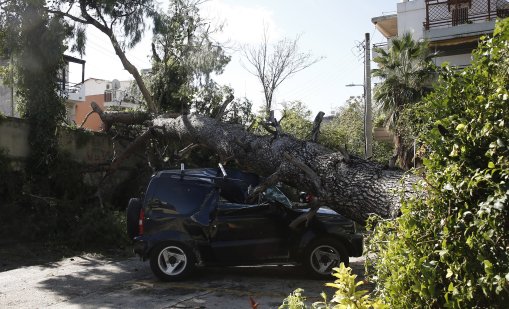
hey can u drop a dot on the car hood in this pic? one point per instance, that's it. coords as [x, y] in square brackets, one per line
[330, 217]
[326, 213]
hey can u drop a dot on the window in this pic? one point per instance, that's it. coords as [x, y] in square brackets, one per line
[107, 96]
[178, 197]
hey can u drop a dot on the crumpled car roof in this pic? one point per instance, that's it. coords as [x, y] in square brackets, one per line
[234, 186]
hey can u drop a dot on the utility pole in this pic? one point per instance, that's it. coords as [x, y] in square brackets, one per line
[368, 122]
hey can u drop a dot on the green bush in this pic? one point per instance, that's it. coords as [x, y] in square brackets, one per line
[346, 295]
[9, 179]
[57, 208]
[450, 247]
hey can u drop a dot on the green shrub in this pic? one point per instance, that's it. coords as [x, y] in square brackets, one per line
[346, 295]
[9, 181]
[57, 208]
[450, 248]
[294, 301]
[98, 228]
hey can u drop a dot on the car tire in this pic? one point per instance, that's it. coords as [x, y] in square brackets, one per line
[322, 255]
[133, 215]
[172, 261]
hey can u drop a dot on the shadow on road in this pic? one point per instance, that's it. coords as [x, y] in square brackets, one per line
[96, 281]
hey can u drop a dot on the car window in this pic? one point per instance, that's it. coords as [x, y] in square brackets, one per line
[275, 195]
[178, 197]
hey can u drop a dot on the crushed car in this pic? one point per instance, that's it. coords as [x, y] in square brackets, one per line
[199, 217]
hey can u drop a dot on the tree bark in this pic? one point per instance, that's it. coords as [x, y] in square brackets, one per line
[347, 184]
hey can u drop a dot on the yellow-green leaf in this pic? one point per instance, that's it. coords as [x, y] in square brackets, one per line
[449, 273]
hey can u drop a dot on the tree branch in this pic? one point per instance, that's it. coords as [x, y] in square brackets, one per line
[70, 16]
[223, 107]
[184, 153]
[315, 179]
[269, 181]
[137, 144]
[268, 129]
[121, 117]
[314, 206]
[86, 118]
[152, 107]
[315, 132]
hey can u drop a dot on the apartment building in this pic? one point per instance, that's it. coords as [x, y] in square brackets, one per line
[109, 95]
[452, 27]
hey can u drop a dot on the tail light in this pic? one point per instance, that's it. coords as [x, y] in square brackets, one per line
[140, 222]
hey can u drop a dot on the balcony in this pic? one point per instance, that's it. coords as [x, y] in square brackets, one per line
[74, 92]
[118, 99]
[450, 13]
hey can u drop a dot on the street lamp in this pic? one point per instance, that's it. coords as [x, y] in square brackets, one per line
[353, 85]
[368, 135]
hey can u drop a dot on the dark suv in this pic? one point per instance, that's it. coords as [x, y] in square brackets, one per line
[199, 216]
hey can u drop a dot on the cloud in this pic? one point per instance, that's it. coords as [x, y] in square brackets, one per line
[241, 24]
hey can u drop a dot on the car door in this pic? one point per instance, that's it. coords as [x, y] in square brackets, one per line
[243, 233]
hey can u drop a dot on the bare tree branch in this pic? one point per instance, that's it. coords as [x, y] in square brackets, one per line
[273, 64]
[86, 118]
[184, 153]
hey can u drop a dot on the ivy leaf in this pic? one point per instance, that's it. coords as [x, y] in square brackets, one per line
[488, 267]
[449, 273]
[451, 287]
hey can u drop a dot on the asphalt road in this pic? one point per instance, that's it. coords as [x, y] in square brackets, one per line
[92, 281]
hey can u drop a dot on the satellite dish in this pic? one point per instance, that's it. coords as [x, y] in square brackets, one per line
[115, 84]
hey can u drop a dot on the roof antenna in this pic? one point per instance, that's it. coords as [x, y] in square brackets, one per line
[222, 170]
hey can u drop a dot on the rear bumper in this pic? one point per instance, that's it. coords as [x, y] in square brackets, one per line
[140, 247]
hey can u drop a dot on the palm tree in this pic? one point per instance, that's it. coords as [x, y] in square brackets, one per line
[406, 72]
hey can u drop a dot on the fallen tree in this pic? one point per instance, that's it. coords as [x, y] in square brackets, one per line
[348, 184]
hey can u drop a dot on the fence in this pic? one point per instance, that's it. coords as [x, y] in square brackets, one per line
[448, 13]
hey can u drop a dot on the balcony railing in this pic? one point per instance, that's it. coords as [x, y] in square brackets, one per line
[449, 13]
[69, 90]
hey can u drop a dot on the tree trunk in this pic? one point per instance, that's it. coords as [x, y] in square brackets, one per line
[350, 185]
[108, 30]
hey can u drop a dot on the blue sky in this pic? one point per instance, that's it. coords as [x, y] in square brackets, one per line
[328, 28]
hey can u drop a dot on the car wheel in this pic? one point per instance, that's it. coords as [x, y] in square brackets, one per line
[322, 255]
[171, 261]
[133, 215]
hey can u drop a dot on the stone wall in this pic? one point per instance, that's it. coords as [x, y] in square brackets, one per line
[85, 147]
[93, 150]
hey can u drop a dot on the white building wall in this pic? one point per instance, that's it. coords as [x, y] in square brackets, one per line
[411, 16]
[94, 86]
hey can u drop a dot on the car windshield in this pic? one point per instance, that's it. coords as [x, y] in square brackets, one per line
[275, 195]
